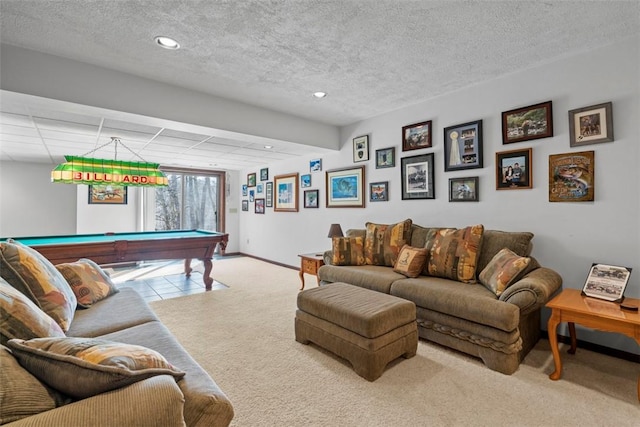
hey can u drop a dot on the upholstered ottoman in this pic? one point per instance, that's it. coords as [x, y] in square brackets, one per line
[365, 327]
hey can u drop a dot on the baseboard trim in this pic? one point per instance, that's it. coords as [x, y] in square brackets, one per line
[271, 262]
[597, 348]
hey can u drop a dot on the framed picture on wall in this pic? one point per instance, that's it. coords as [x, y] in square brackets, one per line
[463, 146]
[361, 148]
[571, 177]
[416, 136]
[379, 191]
[417, 177]
[463, 189]
[305, 180]
[286, 193]
[245, 205]
[311, 198]
[527, 123]
[259, 206]
[591, 125]
[315, 165]
[251, 180]
[107, 195]
[513, 170]
[264, 174]
[269, 194]
[345, 188]
[386, 158]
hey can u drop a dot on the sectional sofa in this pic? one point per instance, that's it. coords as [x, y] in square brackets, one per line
[477, 291]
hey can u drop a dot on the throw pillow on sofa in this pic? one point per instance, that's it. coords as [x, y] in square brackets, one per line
[21, 318]
[383, 242]
[410, 261]
[84, 367]
[32, 274]
[454, 254]
[88, 281]
[503, 270]
[347, 251]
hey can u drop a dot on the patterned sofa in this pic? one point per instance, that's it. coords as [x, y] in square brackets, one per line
[77, 351]
[477, 291]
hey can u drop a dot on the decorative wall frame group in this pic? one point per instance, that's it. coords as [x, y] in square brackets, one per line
[513, 170]
[463, 146]
[286, 196]
[417, 174]
[591, 125]
[527, 123]
[345, 188]
[416, 136]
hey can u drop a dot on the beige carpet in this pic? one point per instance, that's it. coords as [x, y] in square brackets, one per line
[243, 336]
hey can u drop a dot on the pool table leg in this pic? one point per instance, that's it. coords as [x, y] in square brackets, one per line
[187, 267]
[206, 276]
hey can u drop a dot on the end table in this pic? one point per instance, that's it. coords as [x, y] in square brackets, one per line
[572, 307]
[310, 263]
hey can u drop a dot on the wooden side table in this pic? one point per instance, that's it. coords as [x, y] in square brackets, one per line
[572, 307]
[310, 263]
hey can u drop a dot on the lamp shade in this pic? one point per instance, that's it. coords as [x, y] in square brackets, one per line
[82, 170]
[335, 231]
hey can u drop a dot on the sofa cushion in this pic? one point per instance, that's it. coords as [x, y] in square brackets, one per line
[21, 318]
[374, 277]
[493, 241]
[21, 394]
[83, 367]
[347, 251]
[410, 261]
[32, 274]
[384, 241]
[503, 270]
[88, 281]
[454, 254]
[120, 311]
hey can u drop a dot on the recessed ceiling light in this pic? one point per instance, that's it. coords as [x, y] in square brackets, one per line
[167, 42]
[319, 94]
[268, 147]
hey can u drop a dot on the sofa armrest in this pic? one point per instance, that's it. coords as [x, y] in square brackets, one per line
[327, 257]
[156, 401]
[533, 290]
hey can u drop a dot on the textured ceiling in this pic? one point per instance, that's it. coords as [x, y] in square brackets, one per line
[371, 57]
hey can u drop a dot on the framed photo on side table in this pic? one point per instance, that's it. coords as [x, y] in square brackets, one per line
[463, 189]
[513, 170]
[463, 146]
[591, 125]
[417, 177]
[345, 188]
[527, 123]
[361, 148]
[416, 136]
[606, 282]
[286, 196]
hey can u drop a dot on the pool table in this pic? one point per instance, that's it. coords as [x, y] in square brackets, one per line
[112, 248]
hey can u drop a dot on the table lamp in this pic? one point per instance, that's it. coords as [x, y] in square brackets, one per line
[335, 231]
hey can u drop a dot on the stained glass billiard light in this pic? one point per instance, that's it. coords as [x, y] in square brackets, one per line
[86, 170]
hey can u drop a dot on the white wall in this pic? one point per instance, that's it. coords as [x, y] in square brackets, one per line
[97, 218]
[31, 205]
[568, 236]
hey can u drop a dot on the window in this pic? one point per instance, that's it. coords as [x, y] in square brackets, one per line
[193, 199]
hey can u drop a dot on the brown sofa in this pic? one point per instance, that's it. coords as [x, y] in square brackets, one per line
[470, 318]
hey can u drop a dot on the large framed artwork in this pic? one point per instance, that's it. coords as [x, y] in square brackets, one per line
[286, 188]
[417, 175]
[107, 195]
[416, 136]
[571, 177]
[527, 123]
[513, 170]
[345, 188]
[591, 125]
[463, 146]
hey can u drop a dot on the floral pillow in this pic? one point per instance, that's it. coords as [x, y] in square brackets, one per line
[88, 281]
